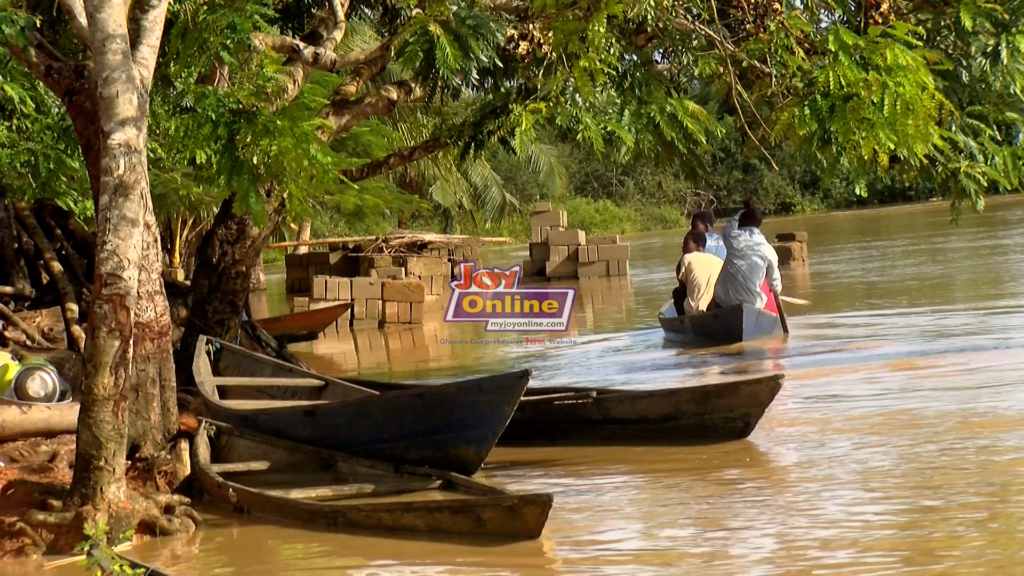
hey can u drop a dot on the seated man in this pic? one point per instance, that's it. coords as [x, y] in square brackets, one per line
[750, 261]
[697, 276]
[704, 221]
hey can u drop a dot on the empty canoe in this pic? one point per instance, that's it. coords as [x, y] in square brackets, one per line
[730, 325]
[270, 477]
[452, 426]
[314, 321]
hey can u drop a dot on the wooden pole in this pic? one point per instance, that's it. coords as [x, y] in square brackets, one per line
[76, 336]
[782, 313]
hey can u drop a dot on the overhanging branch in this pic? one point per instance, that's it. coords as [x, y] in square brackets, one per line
[381, 102]
[146, 30]
[316, 57]
[394, 161]
[75, 11]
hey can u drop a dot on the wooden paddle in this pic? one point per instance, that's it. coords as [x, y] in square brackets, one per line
[782, 313]
[799, 301]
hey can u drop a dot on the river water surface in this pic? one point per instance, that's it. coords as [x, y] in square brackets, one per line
[895, 446]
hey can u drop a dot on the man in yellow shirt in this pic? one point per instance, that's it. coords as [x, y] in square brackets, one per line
[697, 273]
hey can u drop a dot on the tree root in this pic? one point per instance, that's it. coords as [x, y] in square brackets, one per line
[39, 542]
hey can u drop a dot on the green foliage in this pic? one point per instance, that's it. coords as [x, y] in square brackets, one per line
[101, 558]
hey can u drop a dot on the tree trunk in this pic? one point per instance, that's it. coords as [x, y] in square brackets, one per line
[258, 278]
[12, 267]
[129, 331]
[220, 283]
[304, 230]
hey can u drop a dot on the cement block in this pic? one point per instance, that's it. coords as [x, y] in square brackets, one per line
[359, 309]
[791, 237]
[392, 273]
[366, 288]
[561, 268]
[535, 233]
[534, 267]
[571, 237]
[550, 219]
[425, 266]
[368, 262]
[613, 252]
[592, 269]
[541, 207]
[300, 302]
[365, 323]
[294, 261]
[583, 254]
[416, 313]
[344, 289]
[559, 253]
[391, 312]
[404, 291]
[404, 312]
[600, 240]
[613, 267]
[791, 253]
[318, 258]
[320, 287]
[540, 251]
[373, 309]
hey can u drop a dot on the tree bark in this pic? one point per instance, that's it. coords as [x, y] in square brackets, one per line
[13, 272]
[128, 345]
[258, 278]
[304, 230]
[220, 283]
[394, 161]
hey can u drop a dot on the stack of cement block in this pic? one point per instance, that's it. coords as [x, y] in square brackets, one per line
[370, 300]
[434, 272]
[434, 263]
[556, 252]
[791, 248]
[403, 301]
[544, 220]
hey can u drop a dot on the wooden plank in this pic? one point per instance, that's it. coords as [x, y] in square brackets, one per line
[254, 466]
[561, 397]
[260, 404]
[351, 491]
[299, 382]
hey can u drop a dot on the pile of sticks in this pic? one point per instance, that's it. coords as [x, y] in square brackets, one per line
[46, 261]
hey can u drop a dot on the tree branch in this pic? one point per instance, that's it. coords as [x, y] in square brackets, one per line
[394, 161]
[686, 24]
[514, 8]
[75, 11]
[46, 64]
[147, 30]
[297, 71]
[381, 102]
[316, 57]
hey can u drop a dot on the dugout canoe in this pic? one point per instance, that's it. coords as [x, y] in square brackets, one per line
[312, 487]
[729, 325]
[315, 321]
[575, 415]
[452, 427]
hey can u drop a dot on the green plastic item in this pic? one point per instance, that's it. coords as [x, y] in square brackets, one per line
[8, 368]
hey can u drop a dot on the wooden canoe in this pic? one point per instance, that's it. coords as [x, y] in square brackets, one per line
[451, 427]
[572, 415]
[315, 321]
[300, 484]
[730, 325]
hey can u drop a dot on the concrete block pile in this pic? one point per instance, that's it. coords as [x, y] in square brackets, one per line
[375, 301]
[791, 248]
[434, 263]
[558, 252]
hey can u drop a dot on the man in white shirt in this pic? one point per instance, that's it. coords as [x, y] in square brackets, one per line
[750, 260]
[697, 273]
[704, 221]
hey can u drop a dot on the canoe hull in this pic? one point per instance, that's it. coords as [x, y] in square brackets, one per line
[730, 325]
[497, 514]
[451, 427]
[703, 414]
[315, 321]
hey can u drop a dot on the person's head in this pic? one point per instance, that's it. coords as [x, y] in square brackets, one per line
[694, 241]
[751, 217]
[702, 221]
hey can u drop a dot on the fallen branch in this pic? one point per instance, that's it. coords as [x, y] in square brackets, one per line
[26, 293]
[29, 332]
[76, 336]
[19, 421]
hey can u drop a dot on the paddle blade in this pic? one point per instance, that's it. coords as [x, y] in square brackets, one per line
[798, 301]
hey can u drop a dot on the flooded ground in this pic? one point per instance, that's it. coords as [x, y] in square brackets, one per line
[895, 445]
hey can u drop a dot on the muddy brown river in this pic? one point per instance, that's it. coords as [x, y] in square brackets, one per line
[895, 446]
